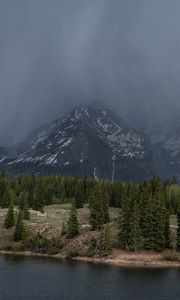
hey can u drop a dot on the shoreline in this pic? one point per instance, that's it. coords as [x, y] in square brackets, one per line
[123, 259]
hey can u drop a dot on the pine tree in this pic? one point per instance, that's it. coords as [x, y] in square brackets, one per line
[105, 206]
[135, 235]
[145, 214]
[72, 225]
[99, 213]
[123, 225]
[130, 235]
[149, 232]
[19, 232]
[105, 241]
[31, 197]
[93, 206]
[116, 194]
[23, 205]
[168, 244]
[23, 197]
[39, 199]
[26, 213]
[62, 190]
[159, 219]
[8, 197]
[10, 218]
[79, 194]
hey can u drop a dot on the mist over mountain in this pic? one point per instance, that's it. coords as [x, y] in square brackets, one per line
[91, 140]
[57, 54]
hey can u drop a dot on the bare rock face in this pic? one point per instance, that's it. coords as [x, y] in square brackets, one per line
[90, 141]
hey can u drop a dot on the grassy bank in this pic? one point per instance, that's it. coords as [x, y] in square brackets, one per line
[85, 246]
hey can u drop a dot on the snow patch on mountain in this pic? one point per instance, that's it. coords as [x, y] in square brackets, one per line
[51, 159]
[2, 159]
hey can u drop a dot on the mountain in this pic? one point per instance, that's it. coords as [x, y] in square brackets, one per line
[3, 154]
[165, 140]
[91, 140]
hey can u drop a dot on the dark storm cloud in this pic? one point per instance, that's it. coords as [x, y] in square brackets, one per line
[58, 53]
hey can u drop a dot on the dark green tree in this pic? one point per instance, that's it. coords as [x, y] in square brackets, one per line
[99, 213]
[8, 197]
[168, 242]
[135, 235]
[79, 194]
[130, 235]
[26, 213]
[23, 197]
[62, 190]
[149, 229]
[72, 225]
[19, 232]
[105, 240]
[39, 198]
[116, 194]
[123, 222]
[10, 218]
[159, 219]
[23, 205]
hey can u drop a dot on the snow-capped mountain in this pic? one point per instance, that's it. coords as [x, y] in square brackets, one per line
[91, 141]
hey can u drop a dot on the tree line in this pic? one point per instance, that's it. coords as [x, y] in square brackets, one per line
[144, 208]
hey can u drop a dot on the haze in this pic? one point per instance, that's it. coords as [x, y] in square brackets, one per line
[55, 54]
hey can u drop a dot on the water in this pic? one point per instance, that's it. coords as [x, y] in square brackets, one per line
[36, 278]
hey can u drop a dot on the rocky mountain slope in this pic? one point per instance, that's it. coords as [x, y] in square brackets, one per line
[165, 140]
[91, 140]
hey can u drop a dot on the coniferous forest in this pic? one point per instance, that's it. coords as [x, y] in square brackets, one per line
[144, 209]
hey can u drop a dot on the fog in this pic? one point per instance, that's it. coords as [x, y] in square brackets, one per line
[55, 54]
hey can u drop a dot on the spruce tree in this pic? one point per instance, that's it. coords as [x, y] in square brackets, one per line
[39, 199]
[149, 232]
[31, 197]
[168, 244]
[23, 205]
[116, 193]
[93, 206]
[135, 236]
[10, 218]
[123, 224]
[23, 197]
[99, 212]
[72, 225]
[159, 215]
[105, 240]
[62, 190]
[8, 197]
[79, 194]
[26, 213]
[105, 206]
[144, 214]
[19, 229]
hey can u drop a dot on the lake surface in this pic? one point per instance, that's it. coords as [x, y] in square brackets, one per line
[37, 278]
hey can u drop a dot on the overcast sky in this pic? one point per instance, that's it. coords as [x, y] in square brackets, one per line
[55, 54]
